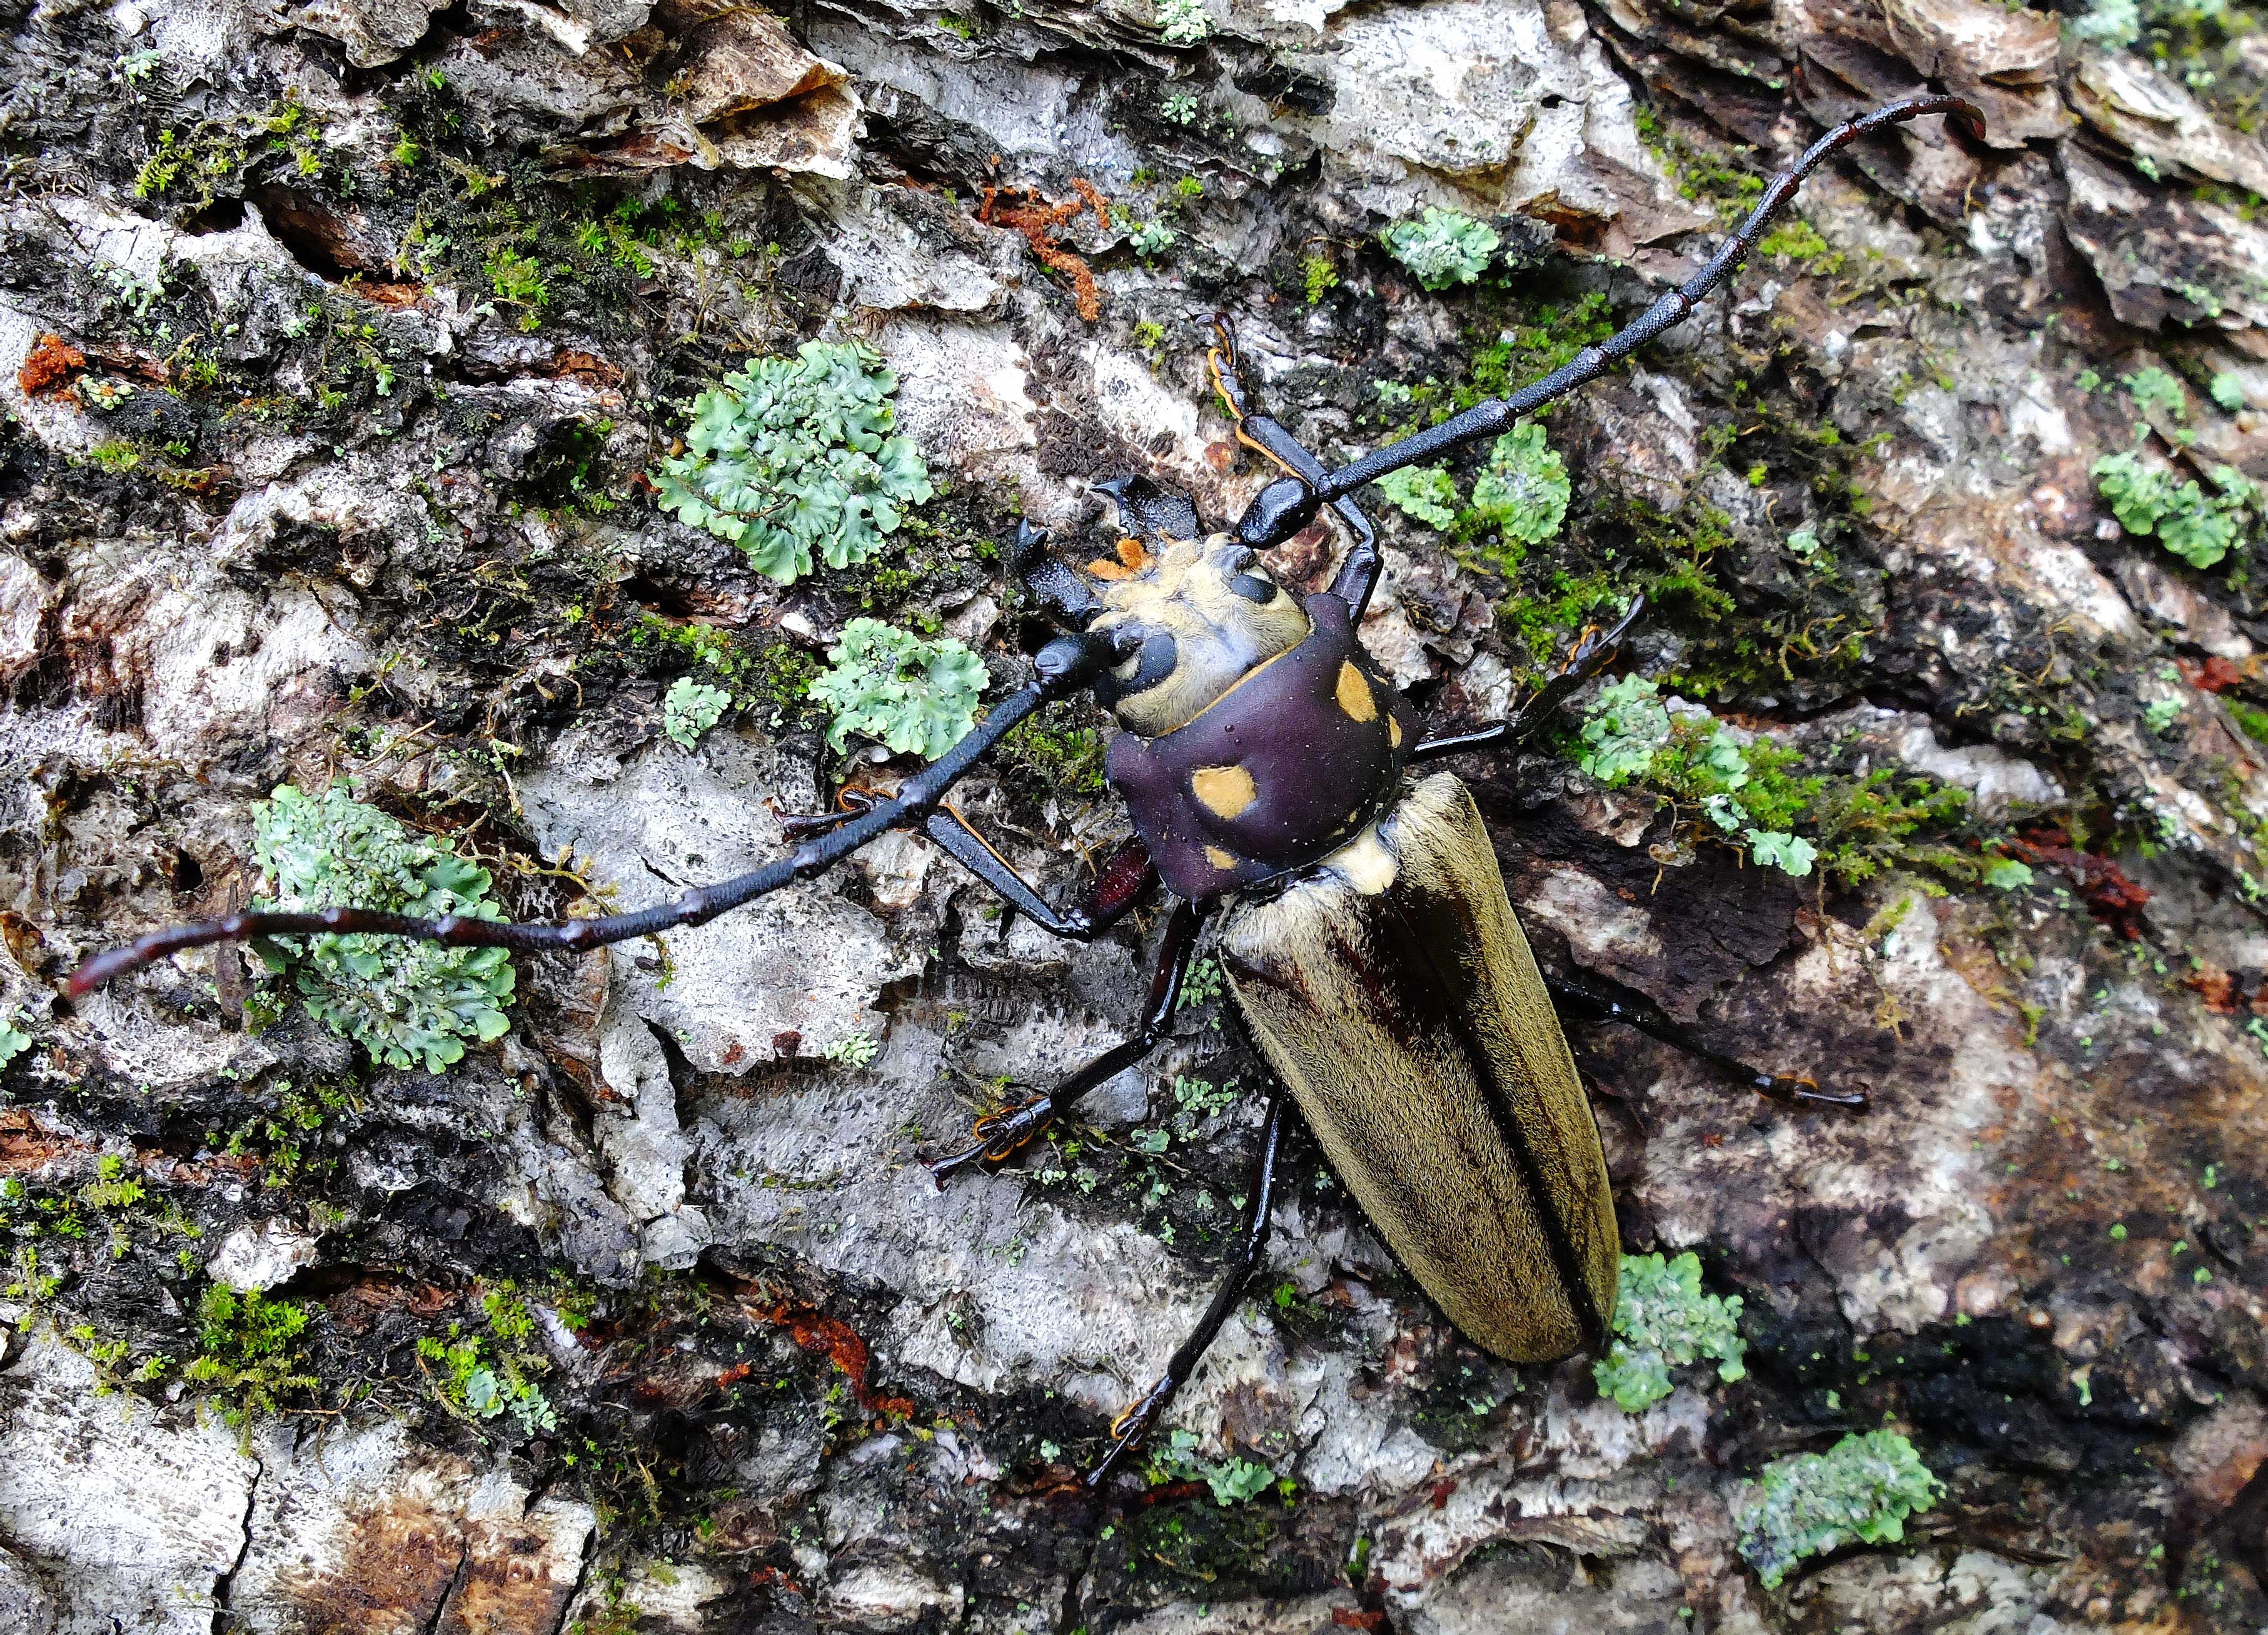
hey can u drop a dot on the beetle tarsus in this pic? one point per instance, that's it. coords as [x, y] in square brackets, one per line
[1804, 1090]
[1132, 1428]
[1000, 1136]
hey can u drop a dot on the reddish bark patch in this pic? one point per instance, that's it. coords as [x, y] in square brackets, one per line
[26, 1144]
[1037, 220]
[587, 367]
[2110, 895]
[54, 362]
[1358, 1618]
[833, 1339]
[2215, 675]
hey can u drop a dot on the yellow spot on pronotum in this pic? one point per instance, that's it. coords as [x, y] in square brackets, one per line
[1218, 858]
[1354, 693]
[1393, 733]
[1226, 790]
[1365, 863]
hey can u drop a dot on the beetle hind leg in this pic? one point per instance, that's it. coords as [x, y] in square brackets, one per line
[1128, 1431]
[1000, 1134]
[1789, 1090]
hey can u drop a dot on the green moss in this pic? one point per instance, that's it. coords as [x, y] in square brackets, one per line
[1318, 277]
[1797, 241]
[1663, 1321]
[517, 279]
[250, 1353]
[1060, 753]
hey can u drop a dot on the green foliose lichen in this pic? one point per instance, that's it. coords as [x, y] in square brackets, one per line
[918, 696]
[689, 708]
[794, 460]
[1663, 1321]
[1442, 247]
[1861, 1490]
[408, 1004]
[1523, 491]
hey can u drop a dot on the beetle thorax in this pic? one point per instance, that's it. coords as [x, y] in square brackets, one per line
[1199, 615]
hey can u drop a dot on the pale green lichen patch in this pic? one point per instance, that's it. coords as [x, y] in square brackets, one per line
[13, 1040]
[689, 708]
[1859, 1492]
[793, 460]
[918, 696]
[1663, 1321]
[2199, 527]
[408, 1004]
[1523, 491]
[1442, 247]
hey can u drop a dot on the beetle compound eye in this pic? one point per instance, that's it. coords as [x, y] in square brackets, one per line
[1252, 587]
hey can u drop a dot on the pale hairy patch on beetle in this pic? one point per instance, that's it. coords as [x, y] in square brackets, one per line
[1187, 589]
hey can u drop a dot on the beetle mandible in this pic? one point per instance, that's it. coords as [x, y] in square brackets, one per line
[1364, 924]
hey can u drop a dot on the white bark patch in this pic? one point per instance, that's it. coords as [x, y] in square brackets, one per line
[257, 1258]
[141, 1518]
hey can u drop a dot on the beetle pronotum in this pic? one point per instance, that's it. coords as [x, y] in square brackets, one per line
[1364, 926]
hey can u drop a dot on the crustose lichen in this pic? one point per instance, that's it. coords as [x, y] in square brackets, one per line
[408, 1004]
[1861, 1492]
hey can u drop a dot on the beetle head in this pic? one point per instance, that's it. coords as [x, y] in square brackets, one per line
[1192, 617]
[1188, 614]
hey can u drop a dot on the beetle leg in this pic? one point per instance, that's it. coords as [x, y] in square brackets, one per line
[1128, 1430]
[1358, 574]
[1000, 1134]
[1589, 656]
[1062, 667]
[1125, 879]
[1598, 1006]
[1285, 506]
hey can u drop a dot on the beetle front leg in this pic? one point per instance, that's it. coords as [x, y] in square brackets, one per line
[1598, 1006]
[999, 1135]
[1131, 1428]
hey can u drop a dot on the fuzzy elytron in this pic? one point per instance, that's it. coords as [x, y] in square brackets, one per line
[1361, 918]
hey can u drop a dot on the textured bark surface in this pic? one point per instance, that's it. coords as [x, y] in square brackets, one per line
[333, 339]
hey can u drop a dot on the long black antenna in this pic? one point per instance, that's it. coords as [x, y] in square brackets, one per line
[1062, 666]
[1285, 506]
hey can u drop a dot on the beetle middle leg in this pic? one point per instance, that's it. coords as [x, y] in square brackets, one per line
[1589, 656]
[1126, 877]
[1357, 575]
[1594, 1003]
[1128, 1430]
[1000, 1134]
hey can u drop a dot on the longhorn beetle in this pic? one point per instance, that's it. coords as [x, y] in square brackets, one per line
[1364, 926]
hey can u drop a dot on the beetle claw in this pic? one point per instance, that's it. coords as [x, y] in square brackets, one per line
[1805, 1091]
[998, 1136]
[1132, 1428]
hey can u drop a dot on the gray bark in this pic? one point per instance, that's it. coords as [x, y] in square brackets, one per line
[369, 510]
